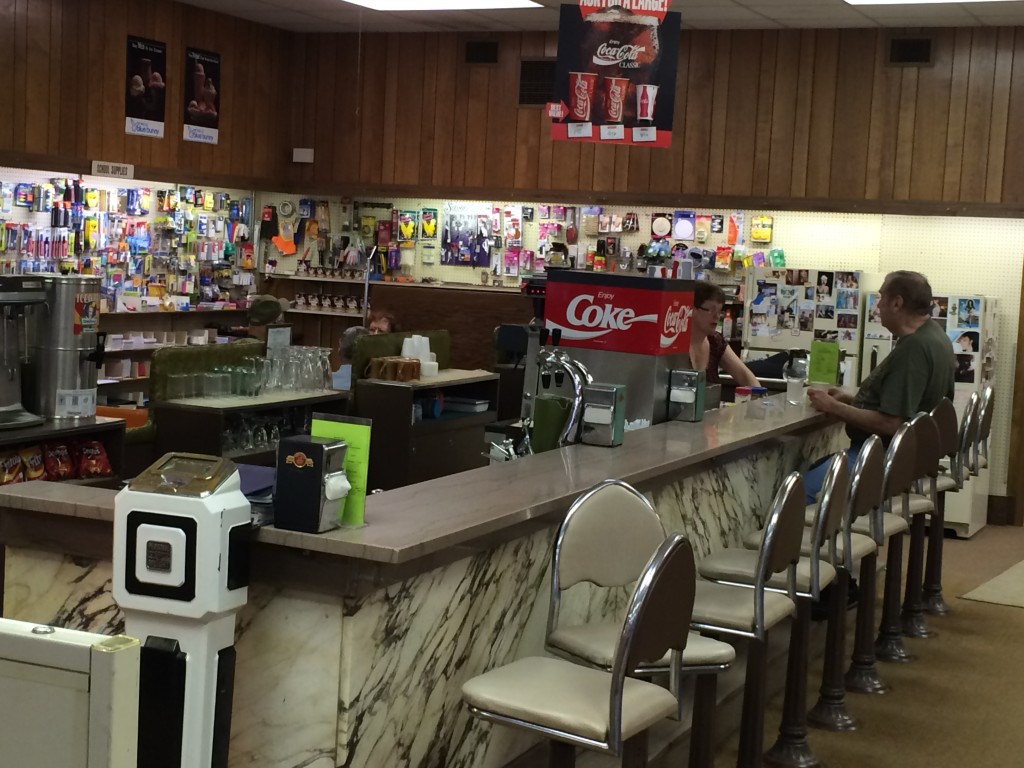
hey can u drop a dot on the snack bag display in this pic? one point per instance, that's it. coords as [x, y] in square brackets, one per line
[11, 470]
[58, 462]
[93, 461]
[32, 463]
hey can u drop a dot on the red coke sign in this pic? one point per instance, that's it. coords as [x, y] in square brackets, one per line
[620, 313]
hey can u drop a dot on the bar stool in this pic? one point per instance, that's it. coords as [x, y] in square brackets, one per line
[830, 712]
[751, 613]
[985, 410]
[951, 441]
[573, 705]
[886, 527]
[737, 567]
[924, 502]
[606, 539]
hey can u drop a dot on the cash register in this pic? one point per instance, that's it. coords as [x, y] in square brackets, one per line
[181, 548]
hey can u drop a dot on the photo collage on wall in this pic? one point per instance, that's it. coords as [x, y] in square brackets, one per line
[792, 307]
[961, 319]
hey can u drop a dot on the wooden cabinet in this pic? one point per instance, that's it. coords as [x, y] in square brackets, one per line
[404, 450]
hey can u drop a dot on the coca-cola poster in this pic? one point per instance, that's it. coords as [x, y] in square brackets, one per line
[616, 74]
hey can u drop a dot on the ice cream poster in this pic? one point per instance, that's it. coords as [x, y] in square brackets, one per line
[145, 85]
[615, 78]
[202, 97]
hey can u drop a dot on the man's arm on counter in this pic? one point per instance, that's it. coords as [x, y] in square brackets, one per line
[876, 422]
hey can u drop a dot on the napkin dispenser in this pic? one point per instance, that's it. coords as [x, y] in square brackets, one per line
[686, 395]
[604, 414]
[310, 484]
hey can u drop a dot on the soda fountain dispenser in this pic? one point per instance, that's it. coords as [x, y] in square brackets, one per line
[19, 295]
[181, 572]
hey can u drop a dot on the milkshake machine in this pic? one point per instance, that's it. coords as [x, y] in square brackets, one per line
[66, 348]
[20, 296]
[181, 572]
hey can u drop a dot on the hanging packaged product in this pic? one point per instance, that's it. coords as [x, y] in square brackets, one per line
[735, 234]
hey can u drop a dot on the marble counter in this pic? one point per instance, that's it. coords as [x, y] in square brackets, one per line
[354, 644]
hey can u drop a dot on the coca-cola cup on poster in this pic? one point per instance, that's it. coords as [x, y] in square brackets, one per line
[582, 86]
[615, 90]
[645, 98]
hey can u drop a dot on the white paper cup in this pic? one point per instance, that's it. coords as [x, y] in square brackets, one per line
[428, 370]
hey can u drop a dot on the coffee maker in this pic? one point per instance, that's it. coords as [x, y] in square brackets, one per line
[19, 296]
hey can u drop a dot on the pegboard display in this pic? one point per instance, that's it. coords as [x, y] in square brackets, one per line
[116, 229]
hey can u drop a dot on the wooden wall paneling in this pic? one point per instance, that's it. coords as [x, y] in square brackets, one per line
[57, 93]
[565, 165]
[531, 124]
[74, 106]
[934, 87]
[603, 179]
[979, 114]
[741, 113]
[802, 120]
[588, 152]
[477, 120]
[302, 101]
[325, 131]
[408, 109]
[392, 112]
[9, 69]
[620, 170]
[545, 146]
[1000, 115]
[235, 92]
[667, 172]
[1015, 480]
[956, 120]
[371, 155]
[905, 134]
[347, 135]
[823, 105]
[244, 56]
[110, 114]
[502, 103]
[783, 114]
[696, 130]
[38, 84]
[1013, 168]
[167, 153]
[263, 150]
[852, 127]
[764, 116]
[638, 176]
[444, 115]
[719, 113]
[464, 119]
[885, 102]
[428, 86]
[19, 94]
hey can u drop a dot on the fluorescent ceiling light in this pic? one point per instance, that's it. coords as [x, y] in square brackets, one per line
[920, 2]
[443, 5]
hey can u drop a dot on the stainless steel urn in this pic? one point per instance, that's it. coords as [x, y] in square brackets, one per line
[66, 349]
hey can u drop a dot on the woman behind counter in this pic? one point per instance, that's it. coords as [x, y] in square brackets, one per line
[708, 348]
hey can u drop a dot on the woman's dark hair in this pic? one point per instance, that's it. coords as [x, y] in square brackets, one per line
[707, 291]
[381, 314]
[912, 287]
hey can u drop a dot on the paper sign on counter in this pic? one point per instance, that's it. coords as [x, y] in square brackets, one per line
[581, 130]
[355, 432]
[645, 133]
[613, 132]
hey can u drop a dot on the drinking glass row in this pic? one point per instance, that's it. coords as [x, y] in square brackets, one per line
[292, 369]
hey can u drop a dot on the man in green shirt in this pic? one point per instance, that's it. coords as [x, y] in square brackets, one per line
[915, 376]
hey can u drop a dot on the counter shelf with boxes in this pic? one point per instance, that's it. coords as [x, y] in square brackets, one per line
[89, 452]
[426, 428]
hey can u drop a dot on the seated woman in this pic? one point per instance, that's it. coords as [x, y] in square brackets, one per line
[381, 321]
[708, 348]
[342, 378]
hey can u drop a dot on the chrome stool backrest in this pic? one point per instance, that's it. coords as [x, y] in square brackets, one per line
[780, 545]
[898, 476]
[828, 520]
[606, 539]
[929, 449]
[969, 425]
[657, 620]
[865, 490]
[949, 437]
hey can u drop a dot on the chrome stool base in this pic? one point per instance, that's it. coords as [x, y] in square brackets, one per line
[795, 755]
[892, 650]
[831, 717]
[935, 605]
[913, 625]
[865, 679]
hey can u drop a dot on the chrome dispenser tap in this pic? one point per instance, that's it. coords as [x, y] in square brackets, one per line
[551, 361]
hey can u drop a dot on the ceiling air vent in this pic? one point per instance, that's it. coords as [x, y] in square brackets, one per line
[536, 82]
[910, 51]
[481, 52]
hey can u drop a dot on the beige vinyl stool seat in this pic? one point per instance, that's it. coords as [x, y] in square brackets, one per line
[751, 611]
[889, 523]
[574, 705]
[606, 539]
[946, 483]
[861, 545]
[917, 503]
[738, 566]
[982, 462]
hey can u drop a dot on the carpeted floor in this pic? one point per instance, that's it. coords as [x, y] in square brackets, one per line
[961, 702]
[1005, 589]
